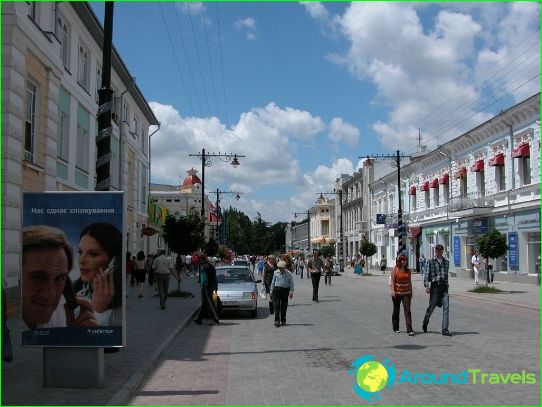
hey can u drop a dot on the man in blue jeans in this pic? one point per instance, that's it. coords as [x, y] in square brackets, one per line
[436, 285]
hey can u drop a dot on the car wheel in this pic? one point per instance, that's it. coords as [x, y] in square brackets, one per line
[254, 312]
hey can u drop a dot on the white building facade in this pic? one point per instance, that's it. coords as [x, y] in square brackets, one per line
[52, 62]
[487, 178]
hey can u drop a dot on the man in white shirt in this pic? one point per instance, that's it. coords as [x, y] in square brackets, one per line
[476, 266]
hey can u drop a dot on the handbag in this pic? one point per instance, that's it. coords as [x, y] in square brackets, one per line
[7, 348]
[263, 294]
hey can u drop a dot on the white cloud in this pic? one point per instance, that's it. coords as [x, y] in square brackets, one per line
[342, 132]
[316, 10]
[191, 7]
[425, 74]
[269, 175]
[248, 26]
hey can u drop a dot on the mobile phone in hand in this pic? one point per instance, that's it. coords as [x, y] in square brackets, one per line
[111, 266]
[69, 294]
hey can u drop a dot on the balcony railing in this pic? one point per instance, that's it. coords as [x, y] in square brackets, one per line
[471, 201]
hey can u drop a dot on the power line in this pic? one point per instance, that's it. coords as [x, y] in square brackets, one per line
[222, 67]
[176, 60]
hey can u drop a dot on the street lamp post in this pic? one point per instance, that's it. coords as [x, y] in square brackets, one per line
[218, 192]
[400, 227]
[341, 255]
[206, 163]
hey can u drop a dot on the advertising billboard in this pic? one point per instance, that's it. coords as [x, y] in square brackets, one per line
[73, 273]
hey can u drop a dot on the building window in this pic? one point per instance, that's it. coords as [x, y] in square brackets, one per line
[463, 187]
[83, 67]
[63, 134]
[525, 170]
[143, 188]
[500, 177]
[446, 193]
[98, 83]
[325, 227]
[481, 183]
[134, 133]
[83, 142]
[30, 121]
[413, 202]
[436, 197]
[32, 10]
[427, 200]
[144, 141]
[62, 33]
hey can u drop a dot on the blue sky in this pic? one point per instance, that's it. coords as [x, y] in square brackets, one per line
[304, 89]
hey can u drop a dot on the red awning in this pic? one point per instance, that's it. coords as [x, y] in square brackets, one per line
[498, 159]
[434, 183]
[521, 151]
[412, 190]
[461, 173]
[477, 166]
[444, 179]
[425, 186]
[414, 232]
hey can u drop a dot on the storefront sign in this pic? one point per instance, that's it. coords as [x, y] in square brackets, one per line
[457, 251]
[479, 226]
[513, 250]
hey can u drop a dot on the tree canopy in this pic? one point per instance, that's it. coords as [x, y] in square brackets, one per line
[184, 234]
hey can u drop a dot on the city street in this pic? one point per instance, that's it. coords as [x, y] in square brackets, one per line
[306, 362]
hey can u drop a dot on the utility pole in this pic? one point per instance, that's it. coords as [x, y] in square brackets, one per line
[218, 192]
[308, 213]
[341, 246]
[206, 163]
[105, 96]
[401, 228]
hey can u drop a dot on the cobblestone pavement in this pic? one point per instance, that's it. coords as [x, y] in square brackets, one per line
[246, 361]
[149, 331]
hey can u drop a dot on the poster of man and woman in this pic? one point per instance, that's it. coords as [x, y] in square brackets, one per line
[72, 277]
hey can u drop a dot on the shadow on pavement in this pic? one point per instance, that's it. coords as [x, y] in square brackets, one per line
[409, 347]
[455, 333]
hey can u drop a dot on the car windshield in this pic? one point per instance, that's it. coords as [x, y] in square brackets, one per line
[225, 276]
[240, 263]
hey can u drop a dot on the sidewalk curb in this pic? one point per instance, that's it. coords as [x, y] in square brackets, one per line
[123, 395]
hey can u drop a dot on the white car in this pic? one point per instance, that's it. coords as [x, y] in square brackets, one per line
[237, 289]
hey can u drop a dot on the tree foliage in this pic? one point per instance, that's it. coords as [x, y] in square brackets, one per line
[367, 248]
[253, 237]
[184, 234]
[492, 244]
[327, 251]
[211, 247]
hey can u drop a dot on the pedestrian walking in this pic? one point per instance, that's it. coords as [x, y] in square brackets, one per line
[315, 267]
[130, 266]
[475, 260]
[261, 263]
[301, 265]
[150, 272]
[328, 270]
[269, 270]
[358, 270]
[282, 288]
[436, 285]
[162, 270]
[383, 264]
[208, 284]
[401, 292]
[140, 272]
[423, 265]
[189, 268]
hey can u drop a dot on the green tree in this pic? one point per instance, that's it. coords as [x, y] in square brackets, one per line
[327, 251]
[367, 249]
[491, 245]
[211, 247]
[183, 234]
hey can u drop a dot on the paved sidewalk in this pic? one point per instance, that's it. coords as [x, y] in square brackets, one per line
[516, 294]
[149, 331]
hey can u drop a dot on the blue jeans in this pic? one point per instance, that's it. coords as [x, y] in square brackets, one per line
[438, 291]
